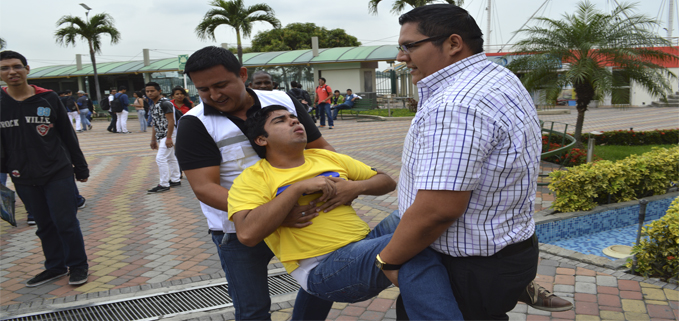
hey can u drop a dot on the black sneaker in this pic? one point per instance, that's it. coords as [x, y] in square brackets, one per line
[174, 184]
[30, 221]
[158, 189]
[44, 277]
[77, 276]
[81, 204]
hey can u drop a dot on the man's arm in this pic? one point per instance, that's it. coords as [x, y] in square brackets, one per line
[348, 190]
[170, 129]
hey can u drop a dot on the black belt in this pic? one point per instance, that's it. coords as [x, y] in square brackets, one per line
[215, 232]
[517, 248]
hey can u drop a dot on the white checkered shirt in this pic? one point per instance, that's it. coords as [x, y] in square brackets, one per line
[476, 129]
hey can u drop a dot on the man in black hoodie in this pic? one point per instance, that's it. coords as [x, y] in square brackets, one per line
[39, 149]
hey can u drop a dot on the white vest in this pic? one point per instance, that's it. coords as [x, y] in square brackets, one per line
[237, 153]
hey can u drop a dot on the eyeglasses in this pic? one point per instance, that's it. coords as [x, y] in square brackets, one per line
[406, 47]
[15, 68]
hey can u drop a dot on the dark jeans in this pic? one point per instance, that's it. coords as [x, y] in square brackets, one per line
[325, 111]
[337, 108]
[114, 120]
[246, 271]
[54, 208]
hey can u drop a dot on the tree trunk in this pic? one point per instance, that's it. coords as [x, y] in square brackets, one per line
[585, 92]
[96, 75]
[239, 48]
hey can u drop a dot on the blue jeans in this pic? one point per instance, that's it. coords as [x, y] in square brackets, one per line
[3, 179]
[246, 271]
[349, 274]
[141, 114]
[337, 108]
[325, 110]
[83, 118]
[54, 208]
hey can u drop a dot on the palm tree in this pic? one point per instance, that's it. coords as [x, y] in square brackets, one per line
[234, 13]
[399, 5]
[90, 31]
[588, 42]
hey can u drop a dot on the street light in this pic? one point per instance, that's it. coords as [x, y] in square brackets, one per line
[86, 12]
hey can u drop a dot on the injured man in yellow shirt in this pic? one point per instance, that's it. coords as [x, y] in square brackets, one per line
[336, 256]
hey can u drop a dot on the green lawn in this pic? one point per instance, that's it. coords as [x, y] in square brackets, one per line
[614, 152]
[400, 112]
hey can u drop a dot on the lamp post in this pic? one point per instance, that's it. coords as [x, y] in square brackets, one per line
[87, 13]
[590, 145]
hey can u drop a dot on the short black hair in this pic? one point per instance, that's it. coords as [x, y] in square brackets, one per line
[299, 85]
[293, 84]
[350, 90]
[255, 126]
[9, 54]
[260, 72]
[323, 79]
[154, 84]
[121, 88]
[336, 91]
[67, 91]
[212, 56]
[445, 20]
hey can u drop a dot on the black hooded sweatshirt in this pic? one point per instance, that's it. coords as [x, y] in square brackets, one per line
[37, 140]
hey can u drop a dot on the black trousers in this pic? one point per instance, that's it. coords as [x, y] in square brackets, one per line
[112, 125]
[486, 288]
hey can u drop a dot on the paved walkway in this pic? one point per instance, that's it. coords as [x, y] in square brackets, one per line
[138, 242]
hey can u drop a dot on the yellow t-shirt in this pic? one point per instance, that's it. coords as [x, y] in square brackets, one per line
[261, 182]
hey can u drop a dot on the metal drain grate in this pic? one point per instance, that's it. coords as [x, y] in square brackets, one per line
[153, 307]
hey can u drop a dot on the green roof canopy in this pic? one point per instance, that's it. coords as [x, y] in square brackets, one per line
[253, 59]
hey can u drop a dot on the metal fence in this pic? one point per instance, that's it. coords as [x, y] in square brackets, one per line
[397, 82]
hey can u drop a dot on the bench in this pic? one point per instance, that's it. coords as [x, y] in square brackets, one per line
[359, 105]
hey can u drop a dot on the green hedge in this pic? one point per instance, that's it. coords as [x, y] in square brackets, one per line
[581, 188]
[630, 137]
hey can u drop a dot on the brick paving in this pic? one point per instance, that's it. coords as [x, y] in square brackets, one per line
[136, 242]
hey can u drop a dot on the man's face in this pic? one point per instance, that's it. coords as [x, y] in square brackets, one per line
[80, 94]
[152, 93]
[336, 94]
[113, 92]
[222, 89]
[321, 82]
[262, 82]
[123, 91]
[423, 59]
[284, 129]
[349, 92]
[13, 72]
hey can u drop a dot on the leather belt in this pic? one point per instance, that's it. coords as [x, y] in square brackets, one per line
[215, 232]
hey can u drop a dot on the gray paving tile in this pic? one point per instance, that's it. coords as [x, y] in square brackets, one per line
[585, 287]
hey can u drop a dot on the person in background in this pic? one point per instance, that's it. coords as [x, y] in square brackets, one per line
[349, 101]
[66, 97]
[83, 106]
[163, 139]
[141, 112]
[335, 101]
[262, 80]
[121, 124]
[90, 107]
[322, 100]
[180, 100]
[43, 177]
[114, 118]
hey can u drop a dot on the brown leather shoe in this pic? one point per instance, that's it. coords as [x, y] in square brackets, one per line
[541, 299]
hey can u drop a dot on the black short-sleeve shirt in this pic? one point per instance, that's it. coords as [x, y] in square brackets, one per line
[195, 147]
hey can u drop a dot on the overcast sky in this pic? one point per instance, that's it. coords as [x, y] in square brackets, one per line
[167, 26]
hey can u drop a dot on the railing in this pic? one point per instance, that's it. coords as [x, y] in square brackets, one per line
[558, 133]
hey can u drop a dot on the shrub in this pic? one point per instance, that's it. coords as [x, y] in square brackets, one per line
[630, 137]
[658, 254]
[582, 187]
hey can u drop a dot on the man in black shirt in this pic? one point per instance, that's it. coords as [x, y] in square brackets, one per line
[212, 150]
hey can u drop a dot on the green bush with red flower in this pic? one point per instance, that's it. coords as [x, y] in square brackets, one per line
[658, 253]
[631, 137]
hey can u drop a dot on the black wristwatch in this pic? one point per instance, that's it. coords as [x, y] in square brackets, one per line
[386, 266]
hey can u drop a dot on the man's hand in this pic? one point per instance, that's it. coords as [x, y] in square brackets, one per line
[301, 216]
[168, 143]
[392, 275]
[81, 180]
[318, 184]
[154, 144]
[346, 193]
